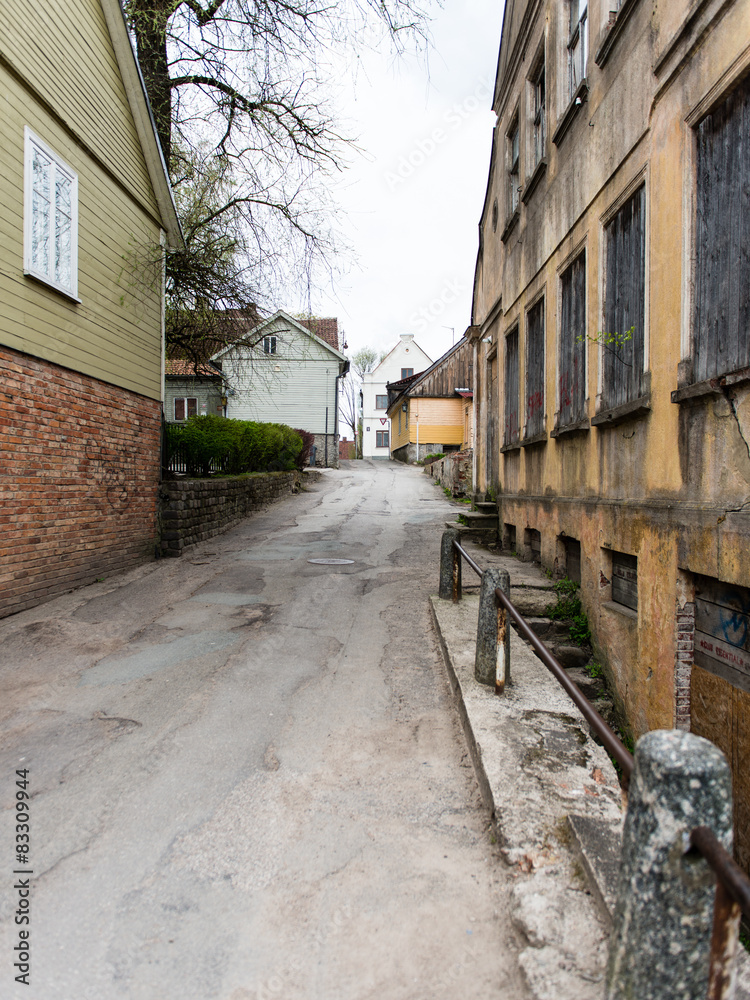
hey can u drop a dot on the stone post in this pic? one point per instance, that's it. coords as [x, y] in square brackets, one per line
[450, 567]
[492, 662]
[659, 948]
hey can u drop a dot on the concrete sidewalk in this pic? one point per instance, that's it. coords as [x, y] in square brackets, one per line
[553, 795]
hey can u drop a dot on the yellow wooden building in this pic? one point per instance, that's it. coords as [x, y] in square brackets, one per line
[85, 207]
[432, 411]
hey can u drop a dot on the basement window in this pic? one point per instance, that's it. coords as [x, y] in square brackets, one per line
[625, 580]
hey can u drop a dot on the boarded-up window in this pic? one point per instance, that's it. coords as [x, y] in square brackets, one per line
[535, 370]
[722, 237]
[512, 431]
[625, 580]
[722, 630]
[572, 382]
[622, 339]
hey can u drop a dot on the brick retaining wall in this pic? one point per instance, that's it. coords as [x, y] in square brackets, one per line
[79, 479]
[193, 510]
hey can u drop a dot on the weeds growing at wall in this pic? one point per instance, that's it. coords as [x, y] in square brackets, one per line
[568, 609]
[211, 445]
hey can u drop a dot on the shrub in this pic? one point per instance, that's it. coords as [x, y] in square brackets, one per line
[308, 440]
[212, 444]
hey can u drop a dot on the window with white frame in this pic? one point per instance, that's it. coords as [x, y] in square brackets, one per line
[50, 217]
[513, 166]
[578, 43]
[381, 439]
[185, 406]
[269, 345]
[540, 104]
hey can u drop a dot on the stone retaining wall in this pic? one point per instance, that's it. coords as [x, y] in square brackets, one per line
[453, 471]
[193, 510]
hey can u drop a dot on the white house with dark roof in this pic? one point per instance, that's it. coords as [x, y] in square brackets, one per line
[283, 372]
[406, 358]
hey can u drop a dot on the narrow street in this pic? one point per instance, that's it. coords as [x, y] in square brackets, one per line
[247, 776]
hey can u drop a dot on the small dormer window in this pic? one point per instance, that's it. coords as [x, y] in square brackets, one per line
[269, 345]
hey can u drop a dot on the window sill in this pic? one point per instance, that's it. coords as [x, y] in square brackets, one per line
[510, 225]
[51, 285]
[536, 175]
[579, 427]
[614, 32]
[579, 98]
[621, 609]
[710, 386]
[540, 438]
[625, 411]
[512, 446]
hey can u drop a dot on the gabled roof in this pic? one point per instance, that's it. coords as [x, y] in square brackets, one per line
[187, 369]
[145, 126]
[406, 386]
[394, 348]
[258, 331]
[324, 329]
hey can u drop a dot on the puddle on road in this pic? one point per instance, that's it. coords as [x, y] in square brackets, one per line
[121, 669]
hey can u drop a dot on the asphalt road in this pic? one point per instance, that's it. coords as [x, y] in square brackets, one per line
[247, 779]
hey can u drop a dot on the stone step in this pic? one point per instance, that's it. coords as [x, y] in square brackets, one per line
[485, 507]
[547, 630]
[477, 517]
[477, 530]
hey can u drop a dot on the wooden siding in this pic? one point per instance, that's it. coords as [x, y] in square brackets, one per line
[455, 372]
[535, 402]
[64, 51]
[722, 279]
[512, 426]
[114, 332]
[572, 377]
[624, 308]
[296, 394]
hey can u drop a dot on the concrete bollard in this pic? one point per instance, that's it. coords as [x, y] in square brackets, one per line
[492, 661]
[450, 567]
[659, 948]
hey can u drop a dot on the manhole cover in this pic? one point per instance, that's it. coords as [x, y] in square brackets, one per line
[331, 562]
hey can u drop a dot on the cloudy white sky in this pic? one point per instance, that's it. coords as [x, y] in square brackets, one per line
[412, 201]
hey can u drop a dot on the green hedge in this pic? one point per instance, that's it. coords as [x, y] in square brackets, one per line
[205, 445]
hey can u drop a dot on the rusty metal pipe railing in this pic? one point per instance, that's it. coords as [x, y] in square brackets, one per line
[728, 871]
[733, 886]
[609, 740]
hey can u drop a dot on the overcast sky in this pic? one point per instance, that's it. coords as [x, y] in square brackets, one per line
[412, 202]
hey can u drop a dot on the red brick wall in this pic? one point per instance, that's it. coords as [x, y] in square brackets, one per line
[79, 479]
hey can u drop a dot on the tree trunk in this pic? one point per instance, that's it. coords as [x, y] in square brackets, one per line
[149, 20]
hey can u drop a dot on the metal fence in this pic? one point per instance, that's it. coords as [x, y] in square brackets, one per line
[732, 893]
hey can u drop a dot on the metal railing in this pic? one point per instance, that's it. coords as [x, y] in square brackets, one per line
[732, 884]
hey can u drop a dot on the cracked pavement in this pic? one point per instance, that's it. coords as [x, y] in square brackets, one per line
[247, 775]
